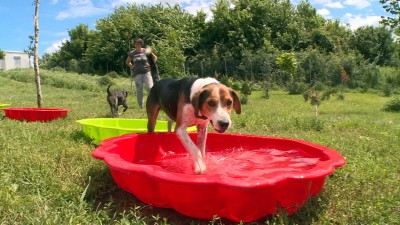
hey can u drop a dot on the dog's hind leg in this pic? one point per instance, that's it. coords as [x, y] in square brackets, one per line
[170, 122]
[115, 109]
[152, 113]
[125, 105]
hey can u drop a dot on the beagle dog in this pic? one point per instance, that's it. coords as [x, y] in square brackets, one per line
[190, 102]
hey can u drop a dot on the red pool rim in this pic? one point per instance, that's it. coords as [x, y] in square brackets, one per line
[114, 161]
[35, 114]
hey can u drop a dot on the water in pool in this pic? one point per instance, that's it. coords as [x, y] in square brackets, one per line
[240, 163]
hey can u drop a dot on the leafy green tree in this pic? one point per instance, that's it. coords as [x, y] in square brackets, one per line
[287, 63]
[1, 54]
[312, 65]
[339, 35]
[76, 47]
[167, 29]
[49, 61]
[322, 41]
[30, 50]
[392, 7]
[374, 43]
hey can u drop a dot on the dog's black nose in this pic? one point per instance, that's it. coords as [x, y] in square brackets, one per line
[223, 124]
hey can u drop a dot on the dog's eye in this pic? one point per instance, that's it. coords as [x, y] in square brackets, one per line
[212, 103]
[229, 103]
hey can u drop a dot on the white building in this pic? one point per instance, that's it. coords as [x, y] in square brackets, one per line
[15, 60]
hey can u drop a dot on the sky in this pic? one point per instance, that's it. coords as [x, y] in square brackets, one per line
[56, 17]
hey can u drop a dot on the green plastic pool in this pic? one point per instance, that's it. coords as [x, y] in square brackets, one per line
[3, 105]
[99, 129]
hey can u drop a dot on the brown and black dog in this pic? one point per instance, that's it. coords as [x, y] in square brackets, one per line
[115, 99]
[190, 102]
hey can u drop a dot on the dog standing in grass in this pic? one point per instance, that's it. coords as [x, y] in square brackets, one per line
[115, 99]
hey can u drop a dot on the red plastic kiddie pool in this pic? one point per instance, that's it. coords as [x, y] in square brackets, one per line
[35, 114]
[248, 177]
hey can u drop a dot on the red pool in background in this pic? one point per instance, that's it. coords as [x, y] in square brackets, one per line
[35, 114]
[248, 177]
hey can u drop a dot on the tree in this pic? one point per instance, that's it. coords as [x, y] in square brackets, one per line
[36, 55]
[392, 7]
[1, 54]
[339, 34]
[374, 43]
[287, 63]
[169, 30]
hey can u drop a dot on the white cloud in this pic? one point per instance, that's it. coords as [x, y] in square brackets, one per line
[55, 46]
[80, 8]
[359, 4]
[356, 21]
[328, 3]
[322, 2]
[196, 6]
[53, 2]
[336, 5]
[324, 12]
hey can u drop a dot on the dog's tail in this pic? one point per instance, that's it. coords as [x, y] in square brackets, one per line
[108, 89]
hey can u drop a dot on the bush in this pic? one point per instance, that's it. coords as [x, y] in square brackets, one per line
[341, 96]
[327, 94]
[266, 91]
[104, 81]
[243, 99]
[393, 105]
[245, 90]
[21, 77]
[58, 69]
[387, 90]
[318, 86]
[226, 81]
[297, 88]
[112, 74]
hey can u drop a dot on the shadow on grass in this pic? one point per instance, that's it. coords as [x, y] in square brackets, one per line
[104, 194]
[78, 135]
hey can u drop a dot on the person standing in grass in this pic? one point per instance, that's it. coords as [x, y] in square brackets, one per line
[140, 68]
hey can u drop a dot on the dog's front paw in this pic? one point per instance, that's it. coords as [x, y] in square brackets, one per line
[200, 167]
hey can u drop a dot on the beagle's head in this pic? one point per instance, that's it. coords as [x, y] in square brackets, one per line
[215, 102]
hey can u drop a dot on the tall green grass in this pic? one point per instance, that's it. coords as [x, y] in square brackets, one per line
[48, 176]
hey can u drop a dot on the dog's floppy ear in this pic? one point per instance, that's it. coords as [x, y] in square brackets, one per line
[236, 101]
[198, 100]
[126, 94]
[196, 103]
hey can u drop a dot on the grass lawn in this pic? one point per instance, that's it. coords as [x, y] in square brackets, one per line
[48, 175]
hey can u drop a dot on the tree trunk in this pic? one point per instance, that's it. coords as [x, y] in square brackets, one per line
[35, 55]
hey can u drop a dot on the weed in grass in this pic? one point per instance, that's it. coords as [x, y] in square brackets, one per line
[393, 105]
[310, 123]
